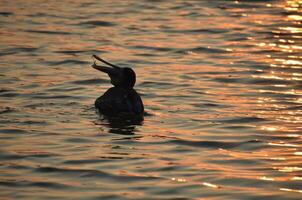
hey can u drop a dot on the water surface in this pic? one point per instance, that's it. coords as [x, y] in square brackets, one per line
[221, 82]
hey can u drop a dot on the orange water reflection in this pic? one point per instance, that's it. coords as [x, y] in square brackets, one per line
[185, 99]
[285, 65]
[283, 101]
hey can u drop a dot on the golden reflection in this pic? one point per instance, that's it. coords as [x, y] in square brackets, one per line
[280, 99]
[207, 184]
[292, 5]
[180, 180]
[285, 65]
[292, 29]
[269, 128]
[277, 158]
[290, 190]
[289, 169]
[210, 185]
[295, 17]
[266, 178]
[297, 178]
[294, 136]
[282, 144]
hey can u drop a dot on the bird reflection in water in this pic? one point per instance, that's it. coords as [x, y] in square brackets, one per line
[120, 126]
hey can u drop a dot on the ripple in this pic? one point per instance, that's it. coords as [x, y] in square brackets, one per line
[50, 96]
[206, 144]
[194, 31]
[221, 83]
[89, 81]
[4, 110]
[10, 156]
[18, 50]
[86, 161]
[98, 23]
[9, 94]
[14, 131]
[242, 120]
[162, 49]
[159, 84]
[216, 145]
[71, 51]
[30, 184]
[26, 155]
[6, 14]
[64, 88]
[49, 32]
[68, 62]
[269, 81]
[89, 173]
[202, 50]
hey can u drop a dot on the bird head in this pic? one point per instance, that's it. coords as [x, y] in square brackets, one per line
[120, 76]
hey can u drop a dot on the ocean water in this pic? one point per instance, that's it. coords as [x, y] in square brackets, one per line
[221, 82]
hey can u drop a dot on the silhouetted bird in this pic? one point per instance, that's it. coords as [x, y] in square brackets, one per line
[122, 99]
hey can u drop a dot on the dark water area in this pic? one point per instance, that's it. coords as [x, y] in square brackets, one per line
[221, 82]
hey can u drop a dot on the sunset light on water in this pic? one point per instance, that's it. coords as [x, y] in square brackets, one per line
[221, 83]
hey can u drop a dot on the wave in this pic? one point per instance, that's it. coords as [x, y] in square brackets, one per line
[96, 23]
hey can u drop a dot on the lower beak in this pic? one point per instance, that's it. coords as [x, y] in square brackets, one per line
[108, 70]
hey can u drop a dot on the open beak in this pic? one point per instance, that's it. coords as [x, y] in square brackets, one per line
[111, 71]
[107, 70]
[114, 72]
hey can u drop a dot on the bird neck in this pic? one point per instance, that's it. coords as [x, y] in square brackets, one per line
[125, 88]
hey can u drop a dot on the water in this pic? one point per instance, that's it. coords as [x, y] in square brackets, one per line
[221, 82]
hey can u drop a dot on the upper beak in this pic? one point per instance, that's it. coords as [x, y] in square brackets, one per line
[108, 70]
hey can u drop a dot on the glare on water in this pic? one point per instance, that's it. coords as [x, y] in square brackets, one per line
[220, 80]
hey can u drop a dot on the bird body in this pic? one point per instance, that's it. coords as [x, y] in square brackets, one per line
[122, 99]
[118, 101]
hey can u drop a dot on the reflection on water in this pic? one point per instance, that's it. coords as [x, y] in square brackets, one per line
[221, 81]
[120, 125]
